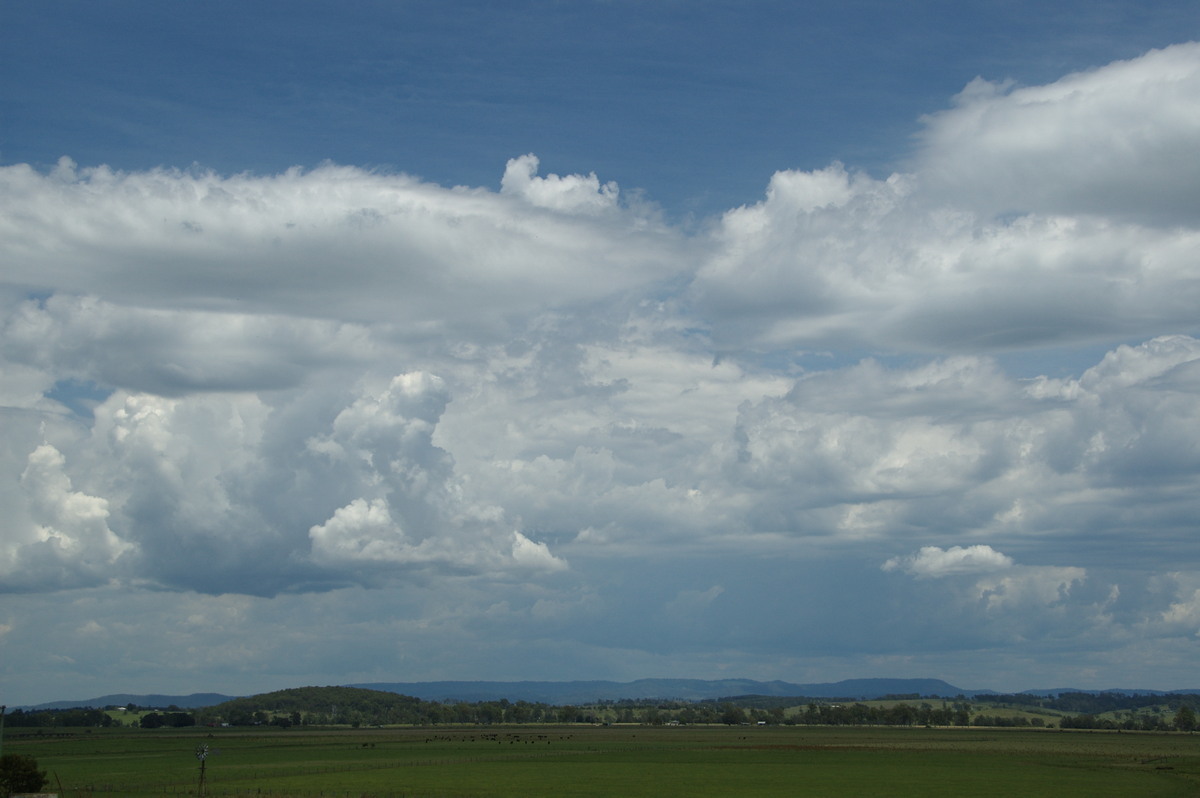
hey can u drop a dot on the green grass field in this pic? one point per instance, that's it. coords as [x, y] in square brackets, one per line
[498, 762]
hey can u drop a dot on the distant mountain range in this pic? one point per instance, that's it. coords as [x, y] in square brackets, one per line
[562, 693]
[679, 689]
[193, 701]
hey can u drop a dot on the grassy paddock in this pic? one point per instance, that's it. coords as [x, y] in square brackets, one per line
[497, 762]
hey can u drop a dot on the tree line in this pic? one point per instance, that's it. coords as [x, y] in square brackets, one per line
[1095, 703]
[48, 718]
[358, 707]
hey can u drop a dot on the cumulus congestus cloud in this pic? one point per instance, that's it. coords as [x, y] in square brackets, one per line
[544, 409]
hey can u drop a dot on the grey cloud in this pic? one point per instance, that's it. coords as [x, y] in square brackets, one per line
[177, 352]
[1027, 458]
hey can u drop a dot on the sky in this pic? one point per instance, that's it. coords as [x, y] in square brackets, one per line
[413, 341]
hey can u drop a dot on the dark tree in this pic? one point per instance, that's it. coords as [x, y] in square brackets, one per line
[19, 773]
[732, 715]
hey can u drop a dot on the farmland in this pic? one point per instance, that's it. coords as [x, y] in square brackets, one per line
[585, 760]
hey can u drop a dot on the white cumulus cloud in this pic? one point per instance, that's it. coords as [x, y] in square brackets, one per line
[1117, 141]
[62, 539]
[932, 561]
[571, 193]
[1042, 215]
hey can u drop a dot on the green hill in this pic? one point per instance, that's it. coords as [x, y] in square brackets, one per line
[320, 705]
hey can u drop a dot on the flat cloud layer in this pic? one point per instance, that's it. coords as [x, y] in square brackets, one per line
[542, 422]
[333, 242]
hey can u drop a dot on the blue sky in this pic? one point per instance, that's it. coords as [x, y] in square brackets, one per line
[422, 341]
[696, 103]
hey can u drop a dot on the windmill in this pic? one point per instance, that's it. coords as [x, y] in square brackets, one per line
[202, 753]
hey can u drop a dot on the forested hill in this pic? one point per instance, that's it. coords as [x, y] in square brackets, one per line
[331, 701]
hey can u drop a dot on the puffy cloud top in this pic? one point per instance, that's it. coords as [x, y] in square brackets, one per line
[572, 193]
[932, 561]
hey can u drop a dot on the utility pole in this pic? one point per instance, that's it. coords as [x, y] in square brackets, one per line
[2, 708]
